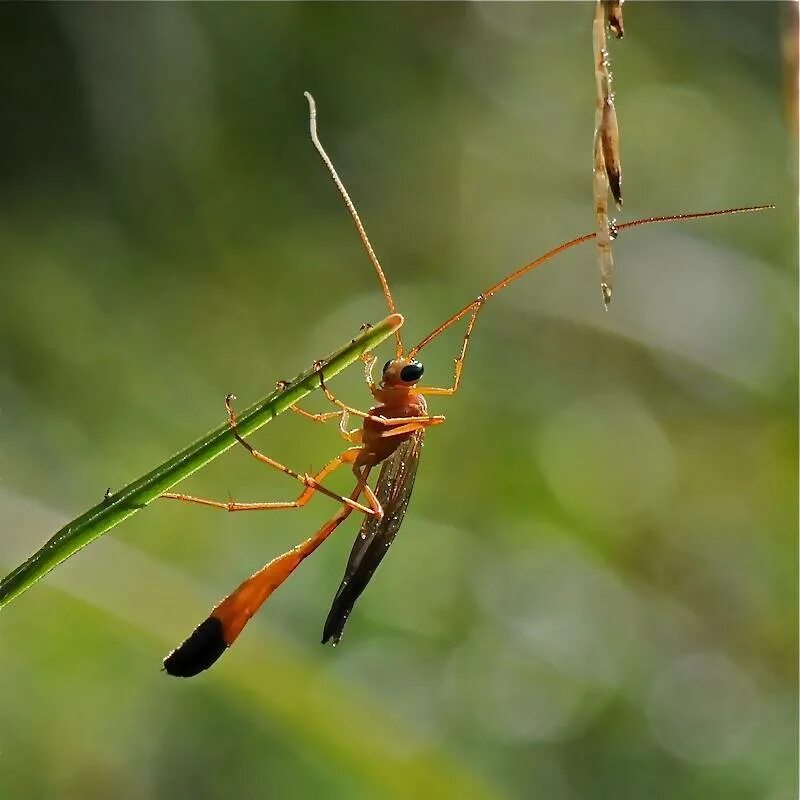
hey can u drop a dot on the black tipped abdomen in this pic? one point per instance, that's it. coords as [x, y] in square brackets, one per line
[198, 652]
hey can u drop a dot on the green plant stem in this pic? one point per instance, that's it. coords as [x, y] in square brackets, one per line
[136, 495]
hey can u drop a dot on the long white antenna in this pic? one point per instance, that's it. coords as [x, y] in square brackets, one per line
[312, 109]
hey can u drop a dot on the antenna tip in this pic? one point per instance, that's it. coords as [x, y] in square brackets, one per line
[310, 97]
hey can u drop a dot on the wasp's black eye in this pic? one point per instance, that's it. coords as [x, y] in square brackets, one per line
[412, 372]
[387, 365]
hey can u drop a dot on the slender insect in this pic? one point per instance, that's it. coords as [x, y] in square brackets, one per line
[391, 433]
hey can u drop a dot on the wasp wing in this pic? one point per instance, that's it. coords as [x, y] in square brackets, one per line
[393, 490]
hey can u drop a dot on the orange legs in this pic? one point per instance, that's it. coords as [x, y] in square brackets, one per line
[460, 358]
[389, 421]
[323, 417]
[312, 484]
[355, 435]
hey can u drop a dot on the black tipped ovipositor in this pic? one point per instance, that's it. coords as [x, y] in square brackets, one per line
[205, 645]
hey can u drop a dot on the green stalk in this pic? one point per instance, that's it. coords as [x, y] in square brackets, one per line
[136, 495]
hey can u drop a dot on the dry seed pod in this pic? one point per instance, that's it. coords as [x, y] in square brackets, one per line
[605, 260]
[606, 164]
[614, 16]
[609, 137]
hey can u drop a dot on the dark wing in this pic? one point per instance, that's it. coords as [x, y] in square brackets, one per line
[393, 489]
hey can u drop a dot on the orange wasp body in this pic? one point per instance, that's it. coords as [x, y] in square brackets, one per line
[391, 434]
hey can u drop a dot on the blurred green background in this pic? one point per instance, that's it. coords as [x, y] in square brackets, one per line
[593, 595]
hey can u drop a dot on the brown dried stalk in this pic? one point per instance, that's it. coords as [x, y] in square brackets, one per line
[606, 167]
